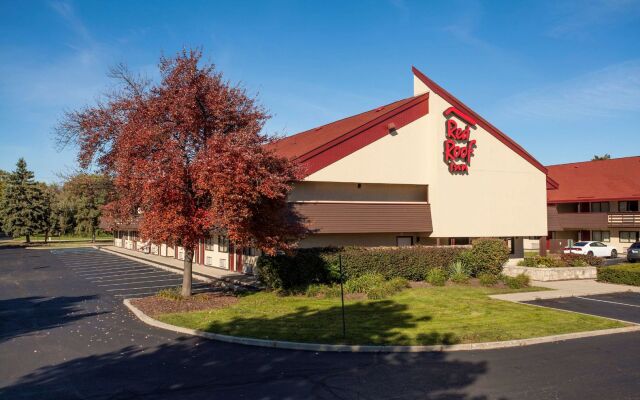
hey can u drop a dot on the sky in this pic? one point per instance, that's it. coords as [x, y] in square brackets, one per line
[561, 77]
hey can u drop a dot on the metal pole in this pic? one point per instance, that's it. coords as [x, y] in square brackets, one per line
[344, 326]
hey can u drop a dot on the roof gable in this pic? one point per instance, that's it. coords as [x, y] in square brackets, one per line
[601, 180]
[319, 147]
[460, 107]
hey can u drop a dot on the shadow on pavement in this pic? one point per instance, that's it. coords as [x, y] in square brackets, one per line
[191, 368]
[28, 315]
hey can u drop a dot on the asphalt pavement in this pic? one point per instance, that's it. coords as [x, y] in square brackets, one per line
[624, 306]
[64, 334]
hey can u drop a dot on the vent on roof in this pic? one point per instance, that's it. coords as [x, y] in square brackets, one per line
[379, 109]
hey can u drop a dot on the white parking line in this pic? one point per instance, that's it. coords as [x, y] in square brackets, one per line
[86, 266]
[118, 273]
[128, 279]
[608, 301]
[177, 280]
[96, 275]
[106, 268]
[130, 274]
[110, 270]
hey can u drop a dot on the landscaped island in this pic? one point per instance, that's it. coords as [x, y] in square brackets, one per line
[424, 315]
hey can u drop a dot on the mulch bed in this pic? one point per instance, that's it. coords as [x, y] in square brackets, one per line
[155, 305]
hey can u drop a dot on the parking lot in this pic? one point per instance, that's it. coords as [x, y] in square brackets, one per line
[624, 306]
[121, 277]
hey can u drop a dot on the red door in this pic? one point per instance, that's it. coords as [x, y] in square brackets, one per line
[239, 260]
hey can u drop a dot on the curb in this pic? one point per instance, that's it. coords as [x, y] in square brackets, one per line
[277, 344]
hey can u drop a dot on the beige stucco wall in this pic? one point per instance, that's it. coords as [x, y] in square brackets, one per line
[502, 195]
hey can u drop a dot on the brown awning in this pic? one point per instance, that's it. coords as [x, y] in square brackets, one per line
[364, 217]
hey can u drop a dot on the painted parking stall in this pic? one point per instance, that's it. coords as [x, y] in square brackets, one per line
[118, 277]
[623, 306]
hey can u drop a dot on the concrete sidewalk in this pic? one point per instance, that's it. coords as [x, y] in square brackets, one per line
[582, 287]
[207, 272]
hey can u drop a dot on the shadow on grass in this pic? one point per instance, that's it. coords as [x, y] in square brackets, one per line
[29, 315]
[383, 322]
[192, 368]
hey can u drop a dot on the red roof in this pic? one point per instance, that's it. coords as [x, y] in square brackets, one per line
[603, 180]
[326, 144]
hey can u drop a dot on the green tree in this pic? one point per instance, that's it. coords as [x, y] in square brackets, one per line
[22, 210]
[89, 193]
[3, 180]
[606, 156]
[49, 218]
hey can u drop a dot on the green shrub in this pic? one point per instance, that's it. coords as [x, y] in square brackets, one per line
[542, 262]
[290, 272]
[436, 277]
[173, 293]
[487, 279]
[320, 265]
[577, 260]
[517, 282]
[458, 272]
[372, 285]
[486, 255]
[362, 284]
[625, 274]
[411, 263]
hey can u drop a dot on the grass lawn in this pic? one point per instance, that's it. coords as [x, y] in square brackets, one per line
[68, 238]
[418, 316]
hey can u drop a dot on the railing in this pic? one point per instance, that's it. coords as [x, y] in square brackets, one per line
[624, 219]
[593, 221]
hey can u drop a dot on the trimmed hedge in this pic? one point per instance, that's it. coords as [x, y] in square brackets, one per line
[320, 265]
[292, 272]
[624, 274]
[410, 263]
[305, 267]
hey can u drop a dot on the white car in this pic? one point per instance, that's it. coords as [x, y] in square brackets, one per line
[597, 249]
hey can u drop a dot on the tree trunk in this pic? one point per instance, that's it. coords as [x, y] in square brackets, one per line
[186, 277]
[28, 238]
[93, 235]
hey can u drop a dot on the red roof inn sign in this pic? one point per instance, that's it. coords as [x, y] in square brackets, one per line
[458, 147]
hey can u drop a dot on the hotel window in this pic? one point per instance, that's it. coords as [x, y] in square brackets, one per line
[628, 237]
[208, 243]
[249, 251]
[628, 205]
[223, 244]
[600, 236]
[600, 206]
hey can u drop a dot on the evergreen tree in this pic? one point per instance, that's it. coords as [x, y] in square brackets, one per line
[3, 180]
[49, 218]
[89, 193]
[22, 210]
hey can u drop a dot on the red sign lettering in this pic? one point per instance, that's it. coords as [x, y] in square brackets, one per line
[458, 147]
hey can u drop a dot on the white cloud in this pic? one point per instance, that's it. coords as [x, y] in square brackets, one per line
[575, 18]
[605, 93]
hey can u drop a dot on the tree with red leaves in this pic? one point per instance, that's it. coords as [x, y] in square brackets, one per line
[187, 156]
